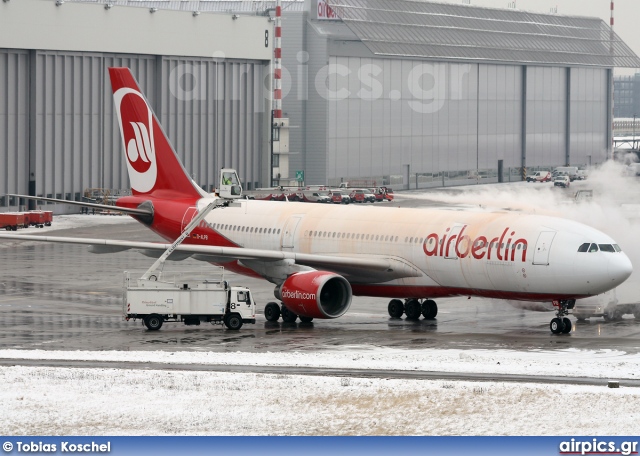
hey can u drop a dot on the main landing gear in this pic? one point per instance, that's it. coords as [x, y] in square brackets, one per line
[561, 324]
[273, 312]
[413, 308]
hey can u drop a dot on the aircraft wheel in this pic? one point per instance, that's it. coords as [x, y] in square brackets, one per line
[612, 315]
[272, 311]
[287, 315]
[429, 309]
[395, 308]
[413, 309]
[153, 322]
[566, 325]
[306, 319]
[233, 322]
[556, 326]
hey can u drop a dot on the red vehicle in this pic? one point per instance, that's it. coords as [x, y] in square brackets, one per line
[11, 221]
[362, 195]
[48, 218]
[336, 197]
[540, 176]
[383, 194]
[36, 218]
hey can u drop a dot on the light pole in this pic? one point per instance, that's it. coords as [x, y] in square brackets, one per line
[634, 132]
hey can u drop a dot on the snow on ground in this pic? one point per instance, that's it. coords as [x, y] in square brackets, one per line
[606, 364]
[60, 401]
[100, 401]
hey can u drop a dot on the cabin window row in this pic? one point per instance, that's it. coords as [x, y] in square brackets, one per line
[356, 236]
[245, 229]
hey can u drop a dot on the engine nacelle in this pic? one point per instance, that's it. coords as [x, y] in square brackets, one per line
[317, 294]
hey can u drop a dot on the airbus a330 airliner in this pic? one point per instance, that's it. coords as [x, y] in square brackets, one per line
[318, 256]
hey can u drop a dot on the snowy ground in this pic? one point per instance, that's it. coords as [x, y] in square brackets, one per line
[82, 401]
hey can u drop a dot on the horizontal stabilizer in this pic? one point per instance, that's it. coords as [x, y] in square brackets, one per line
[104, 207]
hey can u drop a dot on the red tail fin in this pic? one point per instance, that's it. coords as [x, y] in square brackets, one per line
[154, 168]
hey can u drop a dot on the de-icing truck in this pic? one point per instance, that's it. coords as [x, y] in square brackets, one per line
[185, 298]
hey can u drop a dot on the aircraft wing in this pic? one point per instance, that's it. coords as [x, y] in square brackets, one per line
[107, 207]
[359, 268]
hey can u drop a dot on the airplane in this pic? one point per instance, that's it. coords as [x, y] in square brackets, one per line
[319, 256]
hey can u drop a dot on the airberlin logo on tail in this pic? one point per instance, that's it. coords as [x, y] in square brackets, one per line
[460, 245]
[136, 127]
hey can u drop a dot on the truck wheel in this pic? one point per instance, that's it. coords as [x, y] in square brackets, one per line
[153, 322]
[306, 319]
[233, 321]
[272, 311]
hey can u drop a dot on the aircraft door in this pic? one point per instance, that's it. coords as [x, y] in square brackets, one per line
[189, 214]
[288, 234]
[450, 247]
[543, 247]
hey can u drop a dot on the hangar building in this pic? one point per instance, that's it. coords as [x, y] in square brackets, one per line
[419, 94]
[408, 93]
[58, 132]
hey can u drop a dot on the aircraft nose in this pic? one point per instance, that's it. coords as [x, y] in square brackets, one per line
[619, 268]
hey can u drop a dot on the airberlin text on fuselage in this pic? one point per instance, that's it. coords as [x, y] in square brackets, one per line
[460, 245]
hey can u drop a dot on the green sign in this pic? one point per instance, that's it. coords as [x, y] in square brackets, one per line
[300, 176]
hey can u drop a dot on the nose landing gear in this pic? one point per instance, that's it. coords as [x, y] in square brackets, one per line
[561, 324]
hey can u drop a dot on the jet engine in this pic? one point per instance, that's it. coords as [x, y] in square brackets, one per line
[316, 294]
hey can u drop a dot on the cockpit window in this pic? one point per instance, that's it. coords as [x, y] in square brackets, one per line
[587, 247]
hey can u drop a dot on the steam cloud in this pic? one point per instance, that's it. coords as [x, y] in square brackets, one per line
[614, 209]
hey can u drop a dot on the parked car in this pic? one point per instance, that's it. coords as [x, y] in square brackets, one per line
[562, 181]
[570, 171]
[346, 199]
[316, 197]
[582, 174]
[540, 176]
[336, 196]
[362, 195]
